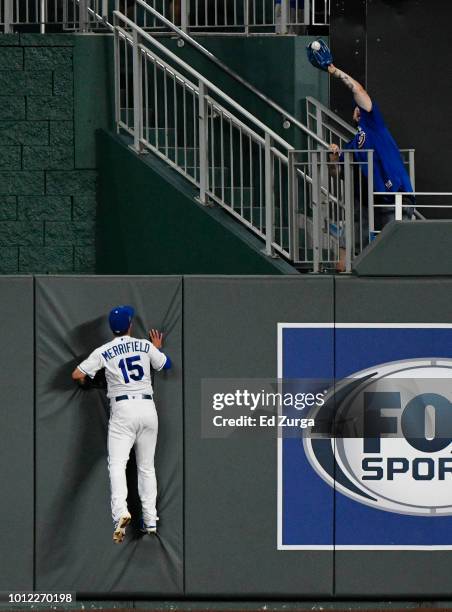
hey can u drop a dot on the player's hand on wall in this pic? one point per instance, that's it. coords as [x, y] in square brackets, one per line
[156, 338]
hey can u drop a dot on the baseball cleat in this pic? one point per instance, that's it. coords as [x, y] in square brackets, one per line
[149, 529]
[120, 528]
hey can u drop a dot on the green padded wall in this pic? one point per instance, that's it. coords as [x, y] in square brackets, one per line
[410, 574]
[230, 328]
[17, 428]
[217, 497]
[74, 548]
[396, 252]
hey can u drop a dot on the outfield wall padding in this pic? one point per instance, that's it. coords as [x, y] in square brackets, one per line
[74, 529]
[17, 431]
[395, 573]
[217, 497]
[230, 331]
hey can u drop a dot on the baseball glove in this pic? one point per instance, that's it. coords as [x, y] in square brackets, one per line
[321, 58]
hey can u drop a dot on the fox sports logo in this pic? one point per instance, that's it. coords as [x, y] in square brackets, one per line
[391, 443]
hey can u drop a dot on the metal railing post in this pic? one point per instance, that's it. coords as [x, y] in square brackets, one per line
[370, 193]
[284, 15]
[412, 168]
[83, 15]
[292, 197]
[43, 13]
[184, 15]
[307, 12]
[65, 15]
[316, 196]
[398, 207]
[8, 15]
[246, 17]
[137, 94]
[105, 9]
[348, 203]
[203, 123]
[324, 217]
[318, 123]
[117, 75]
[268, 196]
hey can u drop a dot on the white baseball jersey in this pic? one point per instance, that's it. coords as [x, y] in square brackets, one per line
[127, 362]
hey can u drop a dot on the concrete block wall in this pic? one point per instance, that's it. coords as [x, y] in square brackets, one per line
[47, 204]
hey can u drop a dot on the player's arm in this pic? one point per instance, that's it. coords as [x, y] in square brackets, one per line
[360, 95]
[88, 368]
[156, 338]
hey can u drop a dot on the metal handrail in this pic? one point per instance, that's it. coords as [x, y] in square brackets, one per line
[416, 193]
[399, 206]
[297, 211]
[196, 45]
[347, 126]
[350, 130]
[251, 189]
[194, 73]
[293, 15]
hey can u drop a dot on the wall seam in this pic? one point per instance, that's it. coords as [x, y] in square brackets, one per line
[74, 153]
[334, 440]
[183, 436]
[34, 433]
[365, 46]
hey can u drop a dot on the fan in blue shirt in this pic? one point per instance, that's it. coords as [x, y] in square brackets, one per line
[390, 174]
[389, 171]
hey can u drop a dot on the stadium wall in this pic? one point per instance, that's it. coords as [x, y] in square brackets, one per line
[218, 498]
[276, 65]
[47, 192]
[150, 223]
[56, 92]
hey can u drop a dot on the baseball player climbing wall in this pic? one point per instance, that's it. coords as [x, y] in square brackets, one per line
[74, 549]
[128, 363]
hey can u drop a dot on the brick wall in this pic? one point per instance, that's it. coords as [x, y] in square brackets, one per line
[47, 206]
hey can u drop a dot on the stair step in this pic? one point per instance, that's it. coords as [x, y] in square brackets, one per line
[188, 157]
[235, 197]
[161, 138]
[218, 177]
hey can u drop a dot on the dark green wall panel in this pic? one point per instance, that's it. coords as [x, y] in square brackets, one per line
[93, 94]
[397, 252]
[74, 548]
[409, 574]
[150, 223]
[231, 484]
[49, 84]
[276, 65]
[17, 446]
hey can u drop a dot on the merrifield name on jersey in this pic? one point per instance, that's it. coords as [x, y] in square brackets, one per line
[137, 346]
